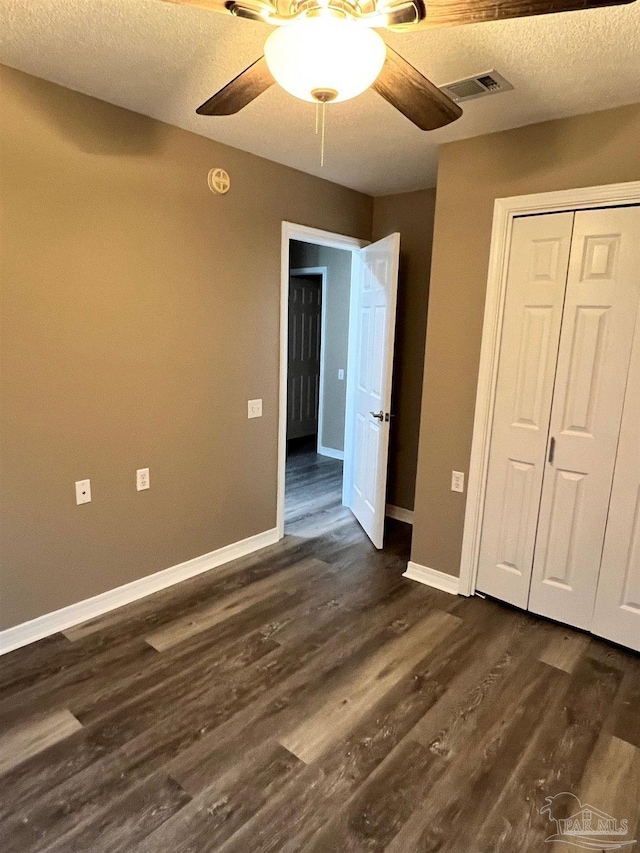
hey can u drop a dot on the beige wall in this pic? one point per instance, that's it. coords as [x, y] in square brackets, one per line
[588, 150]
[336, 332]
[411, 214]
[137, 311]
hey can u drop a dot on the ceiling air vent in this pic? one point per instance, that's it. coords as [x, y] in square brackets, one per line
[476, 87]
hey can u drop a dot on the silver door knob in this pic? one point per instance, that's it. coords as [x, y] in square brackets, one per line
[378, 415]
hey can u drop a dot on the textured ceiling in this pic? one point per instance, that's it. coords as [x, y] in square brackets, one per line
[163, 60]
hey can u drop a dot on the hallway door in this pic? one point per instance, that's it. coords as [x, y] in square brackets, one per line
[303, 380]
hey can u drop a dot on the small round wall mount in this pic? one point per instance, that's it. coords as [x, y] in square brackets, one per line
[219, 181]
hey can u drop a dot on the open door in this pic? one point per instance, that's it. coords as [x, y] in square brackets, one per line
[369, 393]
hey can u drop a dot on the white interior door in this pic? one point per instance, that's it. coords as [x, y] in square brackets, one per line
[601, 305]
[536, 283]
[370, 372]
[617, 611]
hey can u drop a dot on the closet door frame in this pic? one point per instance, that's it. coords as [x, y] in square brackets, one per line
[504, 212]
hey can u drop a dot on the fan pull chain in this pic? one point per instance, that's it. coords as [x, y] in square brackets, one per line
[321, 120]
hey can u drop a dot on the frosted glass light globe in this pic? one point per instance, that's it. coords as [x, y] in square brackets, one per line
[325, 54]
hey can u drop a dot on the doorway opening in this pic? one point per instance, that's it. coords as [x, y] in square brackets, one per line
[338, 302]
[318, 340]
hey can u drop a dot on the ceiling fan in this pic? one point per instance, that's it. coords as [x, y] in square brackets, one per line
[326, 51]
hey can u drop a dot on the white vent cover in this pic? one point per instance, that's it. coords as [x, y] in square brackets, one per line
[488, 83]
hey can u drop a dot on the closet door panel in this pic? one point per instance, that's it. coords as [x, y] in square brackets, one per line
[593, 362]
[536, 282]
[617, 611]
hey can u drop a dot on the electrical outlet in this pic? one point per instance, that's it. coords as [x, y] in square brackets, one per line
[341, 373]
[142, 479]
[83, 492]
[457, 481]
[254, 409]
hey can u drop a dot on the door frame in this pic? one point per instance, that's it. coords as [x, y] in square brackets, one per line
[505, 210]
[305, 234]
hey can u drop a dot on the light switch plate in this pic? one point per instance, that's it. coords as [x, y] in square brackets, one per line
[254, 409]
[341, 373]
[457, 481]
[83, 492]
[142, 479]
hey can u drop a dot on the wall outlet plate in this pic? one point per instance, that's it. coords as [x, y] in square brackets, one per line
[254, 409]
[83, 492]
[457, 481]
[142, 479]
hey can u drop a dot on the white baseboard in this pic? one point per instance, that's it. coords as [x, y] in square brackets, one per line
[399, 513]
[89, 608]
[330, 452]
[432, 577]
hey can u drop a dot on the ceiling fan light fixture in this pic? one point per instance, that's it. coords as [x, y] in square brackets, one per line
[322, 54]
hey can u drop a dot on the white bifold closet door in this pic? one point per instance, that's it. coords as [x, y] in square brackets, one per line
[569, 320]
[536, 284]
[617, 613]
[601, 306]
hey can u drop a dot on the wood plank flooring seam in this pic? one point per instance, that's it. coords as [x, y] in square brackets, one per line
[430, 723]
[34, 736]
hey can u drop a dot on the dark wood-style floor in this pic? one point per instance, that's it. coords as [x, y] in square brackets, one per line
[309, 698]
